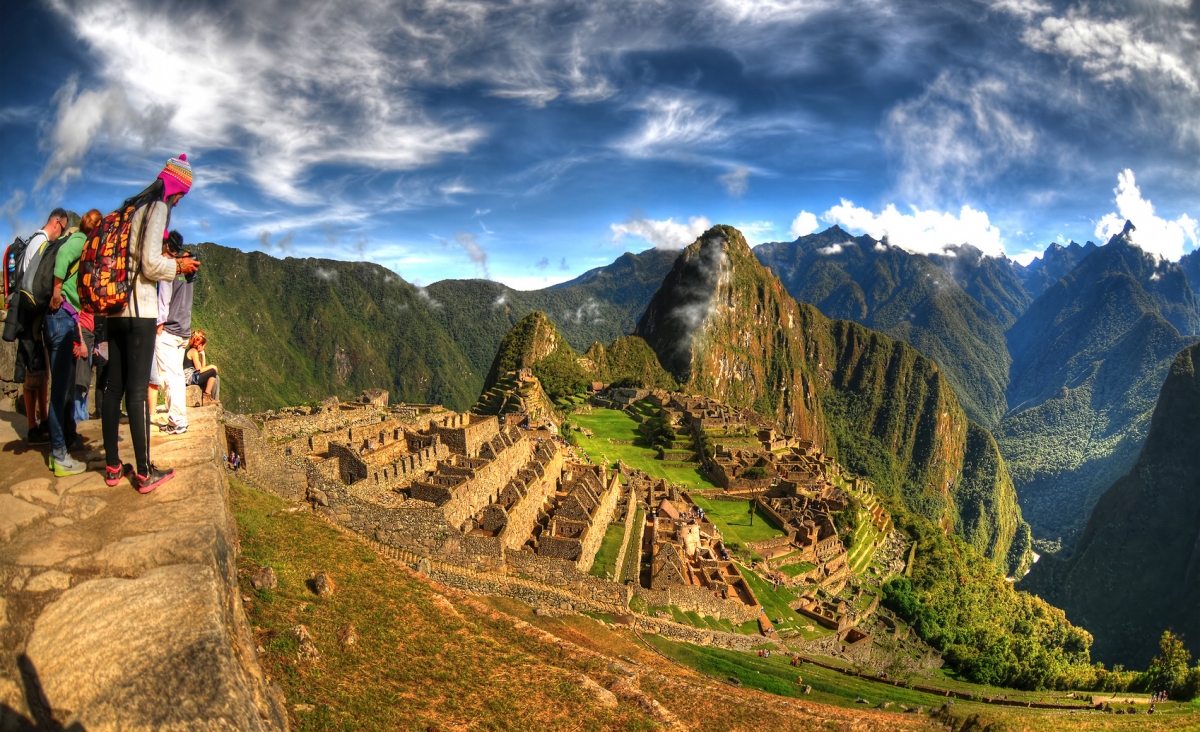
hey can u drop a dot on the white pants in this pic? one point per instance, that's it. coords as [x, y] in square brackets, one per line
[168, 353]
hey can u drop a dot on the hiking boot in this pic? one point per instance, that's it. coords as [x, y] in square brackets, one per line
[113, 474]
[39, 435]
[64, 465]
[147, 483]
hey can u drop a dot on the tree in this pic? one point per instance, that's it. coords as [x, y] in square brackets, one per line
[1169, 670]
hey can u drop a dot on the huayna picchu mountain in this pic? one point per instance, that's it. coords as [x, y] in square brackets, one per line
[910, 298]
[1135, 570]
[724, 326]
[1089, 356]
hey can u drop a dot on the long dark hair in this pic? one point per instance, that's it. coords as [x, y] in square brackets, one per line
[153, 192]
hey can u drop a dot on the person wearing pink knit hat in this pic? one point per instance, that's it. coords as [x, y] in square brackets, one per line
[132, 332]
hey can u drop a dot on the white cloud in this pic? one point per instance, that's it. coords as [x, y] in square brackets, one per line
[673, 122]
[1024, 258]
[1108, 49]
[476, 253]
[736, 181]
[663, 234]
[958, 133]
[921, 232]
[804, 224]
[830, 250]
[756, 232]
[1021, 8]
[1153, 233]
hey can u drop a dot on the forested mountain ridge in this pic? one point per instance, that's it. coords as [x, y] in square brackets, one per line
[723, 325]
[286, 331]
[1089, 356]
[1135, 570]
[910, 298]
[1055, 262]
[600, 305]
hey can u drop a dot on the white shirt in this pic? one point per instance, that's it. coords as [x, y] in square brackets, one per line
[32, 247]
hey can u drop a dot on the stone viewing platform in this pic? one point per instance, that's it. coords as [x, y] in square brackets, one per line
[122, 611]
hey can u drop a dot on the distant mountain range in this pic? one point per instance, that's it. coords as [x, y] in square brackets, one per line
[1135, 570]
[1061, 359]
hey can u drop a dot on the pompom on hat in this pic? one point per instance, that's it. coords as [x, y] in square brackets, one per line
[177, 176]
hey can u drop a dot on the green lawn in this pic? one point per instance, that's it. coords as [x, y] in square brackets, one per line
[610, 424]
[605, 566]
[775, 603]
[795, 570]
[733, 519]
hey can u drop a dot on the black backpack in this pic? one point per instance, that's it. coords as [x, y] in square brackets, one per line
[14, 258]
[37, 286]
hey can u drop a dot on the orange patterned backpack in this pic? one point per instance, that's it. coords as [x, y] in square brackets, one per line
[105, 271]
[104, 277]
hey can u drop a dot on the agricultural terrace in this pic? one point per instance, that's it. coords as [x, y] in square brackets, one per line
[775, 604]
[613, 437]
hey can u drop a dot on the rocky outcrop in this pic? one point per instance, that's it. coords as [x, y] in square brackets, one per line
[122, 611]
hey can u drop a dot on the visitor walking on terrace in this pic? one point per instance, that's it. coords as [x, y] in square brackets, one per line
[61, 335]
[131, 333]
[199, 371]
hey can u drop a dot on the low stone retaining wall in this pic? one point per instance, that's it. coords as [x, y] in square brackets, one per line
[122, 610]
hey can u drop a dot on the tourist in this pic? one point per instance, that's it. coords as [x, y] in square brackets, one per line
[175, 325]
[86, 328]
[199, 371]
[30, 369]
[61, 328]
[131, 333]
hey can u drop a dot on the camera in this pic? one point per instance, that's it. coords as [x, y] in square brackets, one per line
[175, 246]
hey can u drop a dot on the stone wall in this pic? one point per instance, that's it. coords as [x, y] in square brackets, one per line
[567, 575]
[465, 434]
[594, 535]
[10, 391]
[124, 611]
[701, 600]
[521, 516]
[631, 507]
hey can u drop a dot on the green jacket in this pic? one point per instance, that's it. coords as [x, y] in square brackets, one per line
[67, 262]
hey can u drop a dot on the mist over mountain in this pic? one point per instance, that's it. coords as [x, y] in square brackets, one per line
[996, 283]
[1089, 357]
[1135, 570]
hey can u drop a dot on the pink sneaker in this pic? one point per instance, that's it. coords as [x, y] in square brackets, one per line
[113, 474]
[147, 483]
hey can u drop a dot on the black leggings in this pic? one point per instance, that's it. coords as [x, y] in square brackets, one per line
[130, 352]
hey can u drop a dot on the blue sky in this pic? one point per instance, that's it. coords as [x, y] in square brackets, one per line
[530, 141]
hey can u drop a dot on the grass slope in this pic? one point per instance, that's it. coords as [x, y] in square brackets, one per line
[431, 658]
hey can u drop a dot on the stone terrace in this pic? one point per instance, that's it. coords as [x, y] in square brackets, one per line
[122, 610]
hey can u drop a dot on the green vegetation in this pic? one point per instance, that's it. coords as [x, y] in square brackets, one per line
[284, 332]
[605, 564]
[611, 428]
[1125, 580]
[732, 518]
[1089, 358]
[797, 569]
[776, 675]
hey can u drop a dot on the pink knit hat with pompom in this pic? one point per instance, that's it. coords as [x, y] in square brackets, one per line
[176, 177]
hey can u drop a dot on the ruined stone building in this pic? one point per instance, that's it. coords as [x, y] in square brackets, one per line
[572, 525]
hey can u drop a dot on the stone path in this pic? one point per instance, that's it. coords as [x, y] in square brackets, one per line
[118, 610]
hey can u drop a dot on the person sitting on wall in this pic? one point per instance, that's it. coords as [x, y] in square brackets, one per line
[197, 370]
